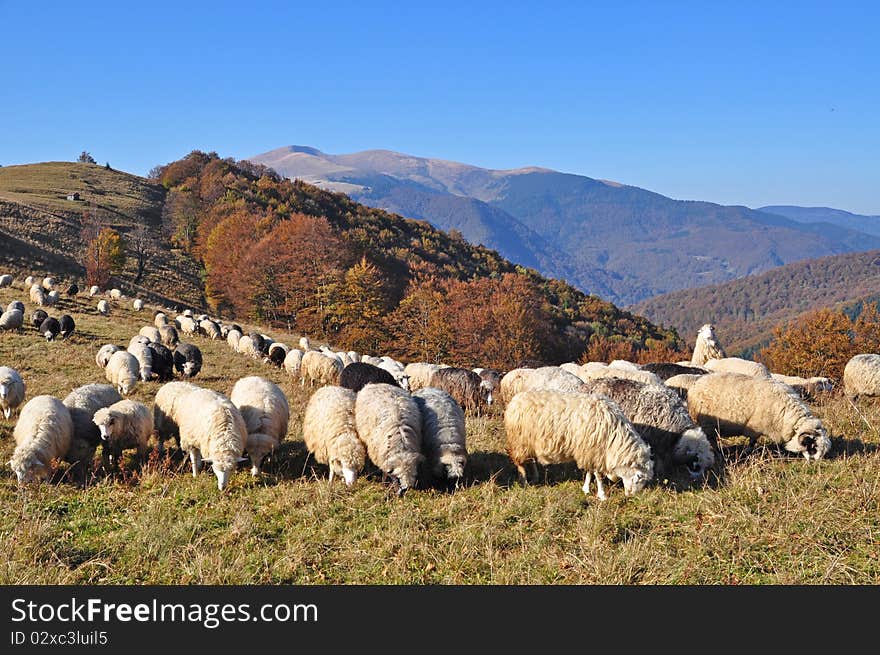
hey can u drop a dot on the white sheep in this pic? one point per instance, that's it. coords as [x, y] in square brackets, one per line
[104, 353]
[103, 307]
[389, 423]
[144, 357]
[443, 432]
[137, 304]
[397, 371]
[731, 404]
[861, 376]
[737, 365]
[82, 403]
[12, 390]
[330, 433]
[320, 368]
[166, 409]
[186, 325]
[354, 356]
[115, 294]
[266, 414]
[125, 424]
[160, 319]
[213, 428]
[305, 344]
[94, 290]
[707, 346]
[419, 374]
[49, 283]
[232, 338]
[293, 362]
[5, 280]
[42, 433]
[682, 382]
[209, 328]
[246, 346]
[29, 281]
[123, 371]
[151, 333]
[38, 295]
[11, 319]
[555, 427]
[551, 378]
[805, 387]
[597, 370]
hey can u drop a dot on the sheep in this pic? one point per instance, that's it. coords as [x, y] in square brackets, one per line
[151, 333]
[266, 414]
[246, 346]
[29, 281]
[42, 433]
[624, 364]
[861, 376]
[737, 365]
[12, 390]
[11, 320]
[125, 424]
[72, 290]
[67, 325]
[318, 367]
[162, 362]
[707, 346]
[590, 372]
[397, 371]
[666, 370]
[168, 336]
[293, 362]
[389, 423]
[15, 304]
[123, 370]
[104, 354]
[490, 382]
[38, 317]
[353, 356]
[661, 418]
[443, 433]
[188, 313]
[462, 384]
[805, 387]
[137, 304]
[232, 338]
[160, 319]
[419, 374]
[166, 409]
[52, 298]
[733, 404]
[94, 290]
[5, 281]
[211, 427]
[305, 344]
[38, 295]
[82, 403]
[344, 358]
[357, 374]
[144, 357]
[330, 432]
[554, 427]
[49, 283]
[187, 359]
[682, 383]
[209, 329]
[277, 354]
[259, 344]
[368, 359]
[186, 325]
[50, 328]
[103, 307]
[546, 377]
[513, 382]
[115, 294]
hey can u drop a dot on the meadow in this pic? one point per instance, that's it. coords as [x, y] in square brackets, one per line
[772, 518]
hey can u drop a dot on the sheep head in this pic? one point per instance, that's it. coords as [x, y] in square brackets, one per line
[404, 468]
[811, 440]
[347, 457]
[451, 462]
[108, 422]
[635, 476]
[694, 451]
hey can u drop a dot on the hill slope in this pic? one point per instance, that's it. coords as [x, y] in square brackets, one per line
[845, 219]
[619, 241]
[745, 311]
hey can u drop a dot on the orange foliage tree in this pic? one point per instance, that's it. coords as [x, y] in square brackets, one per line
[817, 343]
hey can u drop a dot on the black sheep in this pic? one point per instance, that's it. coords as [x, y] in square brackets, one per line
[259, 343]
[187, 359]
[666, 370]
[72, 290]
[38, 317]
[50, 328]
[359, 374]
[163, 362]
[67, 325]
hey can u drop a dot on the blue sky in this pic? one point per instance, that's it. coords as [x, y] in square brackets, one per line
[745, 103]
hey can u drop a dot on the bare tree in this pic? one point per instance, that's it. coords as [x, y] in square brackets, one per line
[138, 245]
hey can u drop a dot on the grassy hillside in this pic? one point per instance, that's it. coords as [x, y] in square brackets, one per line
[43, 228]
[775, 519]
[745, 311]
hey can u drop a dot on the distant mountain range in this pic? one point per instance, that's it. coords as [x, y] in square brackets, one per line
[617, 241]
[860, 222]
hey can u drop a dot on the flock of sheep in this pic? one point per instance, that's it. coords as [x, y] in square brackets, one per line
[614, 421]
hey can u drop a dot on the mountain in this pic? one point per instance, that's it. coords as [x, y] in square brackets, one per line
[621, 242]
[745, 311]
[838, 217]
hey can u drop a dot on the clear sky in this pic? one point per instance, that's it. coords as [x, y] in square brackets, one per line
[737, 103]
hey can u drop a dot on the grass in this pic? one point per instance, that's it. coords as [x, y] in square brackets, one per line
[774, 520]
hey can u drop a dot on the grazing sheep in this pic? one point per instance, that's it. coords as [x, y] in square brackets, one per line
[682, 383]
[38, 317]
[104, 354]
[211, 427]
[513, 382]
[357, 375]
[125, 424]
[137, 304]
[375, 361]
[330, 433]
[103, 307]
[320, 368]
[737, 365]
[82, 403]
[115, 294]
[707, 346]
[277, 354]
[551, 378]
[419, 374]
[49, 283]
[5, 281]
[50, 328]
[187, 359]
[554, 427]
[397, 371]
[145, 358]
[353, 356]
[490, 384]
[305, 344]
[29, 281]
[861, 376]
[11, 320]
[72, 290]
[159, 320]
[732, 404]
[591, 372]
[266, 414]
[166, 409]
[15, 304]
[209, 329]
[661, 418]
[232, 338]
[443, 433]
[259, 344]
[246, 346]
[168, 336]
[12, 389]
[138, 340]
[123, 371]
[462, 384]
[186, 325]
[188, 313]
[94, 290]
[42, 433]
[293, 362]
[152, 334]
[163, 362]
[666, 370]
[389, 423]
[38, 295]
[805, 387]
[67, 325]
[52, 297]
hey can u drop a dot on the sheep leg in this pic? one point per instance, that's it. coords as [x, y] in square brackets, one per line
[535, 474]
[7, 412]
[522, 473]
[196, 458]
[588, 478]
[600, 488]
[332, 476]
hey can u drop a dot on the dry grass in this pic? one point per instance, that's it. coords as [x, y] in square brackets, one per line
[774, 519]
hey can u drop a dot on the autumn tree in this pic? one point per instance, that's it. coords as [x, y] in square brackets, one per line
[418, 329]
[86, 158]
[360, 307]
[816, 344]
[104, 255]
[180, 219]
[866, 330]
